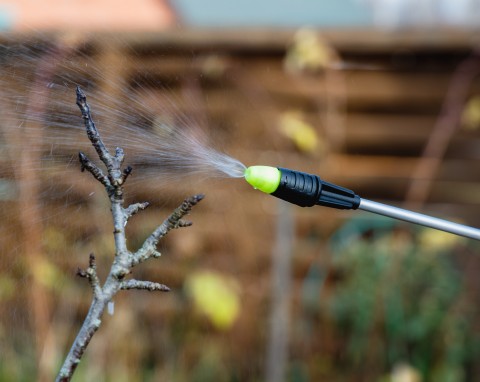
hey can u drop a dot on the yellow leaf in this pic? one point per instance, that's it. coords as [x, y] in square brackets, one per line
[471, 114]
[216, 296]
[302, 134]
[47, 273]
[434, 240]
[308, 53]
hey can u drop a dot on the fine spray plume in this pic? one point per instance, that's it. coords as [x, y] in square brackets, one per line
[159, 138]
[307, 190]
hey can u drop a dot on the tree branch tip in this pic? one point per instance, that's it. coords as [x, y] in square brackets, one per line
[79, 91]
[184, 223]
[133, 209]
[125, 173]
[81, 273]
[119, 154]
[92, 261]
[188, 203]
[195, 199]
[82, 159]
[81, 97]
[144, 285]
[87, 164]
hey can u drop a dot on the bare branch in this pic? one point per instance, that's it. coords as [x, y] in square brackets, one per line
[148, 248]
[119, 155]
[92, 131]
[133, 209]
[143, 285]
[91, 167]
[91, 275]
[175, 218]
[124, 260]
[126, 172]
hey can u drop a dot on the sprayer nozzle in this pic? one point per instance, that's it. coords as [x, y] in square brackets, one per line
[300, 188]
[264, 178]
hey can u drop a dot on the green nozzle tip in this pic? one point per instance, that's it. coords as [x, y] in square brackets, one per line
[264, 178]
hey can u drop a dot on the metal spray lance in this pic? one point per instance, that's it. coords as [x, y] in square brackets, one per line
[307, 190]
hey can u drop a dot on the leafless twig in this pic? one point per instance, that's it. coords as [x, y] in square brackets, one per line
[124, 260]
[443, 131]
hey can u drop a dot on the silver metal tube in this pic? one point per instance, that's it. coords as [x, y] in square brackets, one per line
[414, 217]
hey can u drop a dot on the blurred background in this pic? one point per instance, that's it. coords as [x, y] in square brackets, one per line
[380, 96]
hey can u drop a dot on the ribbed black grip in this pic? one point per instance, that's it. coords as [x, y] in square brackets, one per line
[338, 197]
[307, 190]
[298, 188]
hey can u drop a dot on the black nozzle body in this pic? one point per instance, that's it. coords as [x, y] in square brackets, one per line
[307, 190]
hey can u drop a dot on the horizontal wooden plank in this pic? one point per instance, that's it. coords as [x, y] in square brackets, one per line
[389, 167]
[361, 88]
[389, 134]
[351, 40]
[402, 134]
[382, 88]
[267, 40]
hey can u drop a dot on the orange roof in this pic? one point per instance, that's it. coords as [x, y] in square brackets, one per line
[87, 15]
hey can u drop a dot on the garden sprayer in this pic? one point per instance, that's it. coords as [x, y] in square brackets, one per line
[307, 190]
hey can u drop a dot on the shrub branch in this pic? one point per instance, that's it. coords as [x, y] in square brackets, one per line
[124, 260]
